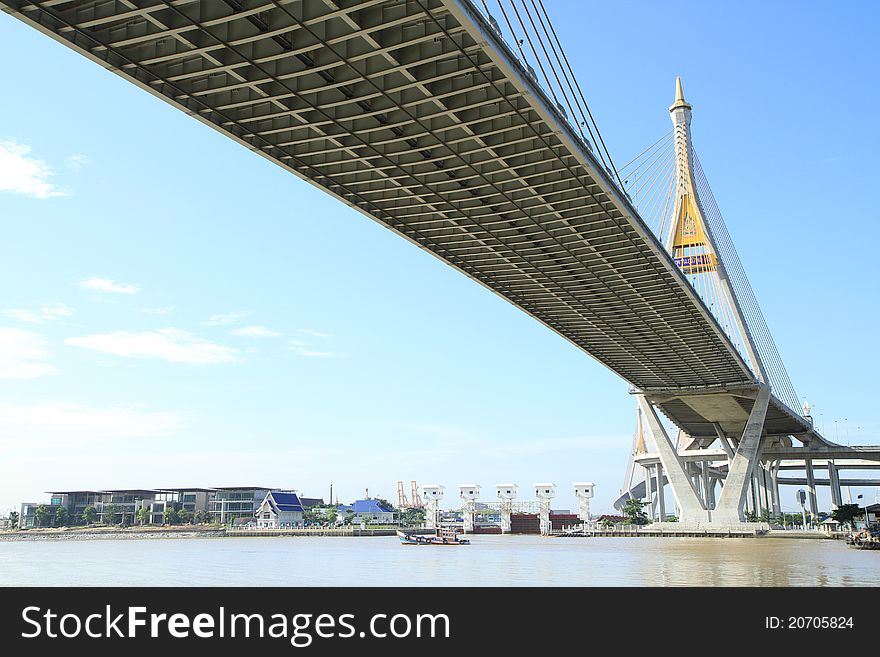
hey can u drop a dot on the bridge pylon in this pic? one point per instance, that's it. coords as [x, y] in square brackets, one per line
[734, 417]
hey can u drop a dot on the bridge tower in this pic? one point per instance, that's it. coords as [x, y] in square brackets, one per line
[690, 240]
[506, 493]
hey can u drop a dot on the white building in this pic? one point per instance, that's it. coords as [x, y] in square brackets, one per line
[279, 510]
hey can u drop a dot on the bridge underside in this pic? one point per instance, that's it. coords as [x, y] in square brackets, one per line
[418, 115]
[698, 414]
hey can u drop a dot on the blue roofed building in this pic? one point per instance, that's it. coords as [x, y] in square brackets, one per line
[368, 512]
[280, 510]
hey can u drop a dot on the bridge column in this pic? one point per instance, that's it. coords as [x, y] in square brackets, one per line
[661, 501]
[774, 489]
[739, 476]
[758, 484]
[811, 488]
[765, 487]
[683, 490]
[705, 475]
[649, 491]
[834, 480]
[710, 501]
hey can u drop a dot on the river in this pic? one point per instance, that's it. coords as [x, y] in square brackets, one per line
[488, 561]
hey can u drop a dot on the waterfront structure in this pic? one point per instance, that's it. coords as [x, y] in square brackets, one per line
[470, 493]
[27, 517]
[222, 505]
[433, 494]
[422, 116]
[507, 494]
[280, 509]
[368, 512]
[545, 493]
[231, 502]
[584, 492]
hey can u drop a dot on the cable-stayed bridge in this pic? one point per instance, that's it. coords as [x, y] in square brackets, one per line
[430, 117]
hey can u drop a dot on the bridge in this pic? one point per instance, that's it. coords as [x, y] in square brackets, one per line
[429, 118]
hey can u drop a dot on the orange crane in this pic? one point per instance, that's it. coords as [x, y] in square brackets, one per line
[402, 502]
[416, 500]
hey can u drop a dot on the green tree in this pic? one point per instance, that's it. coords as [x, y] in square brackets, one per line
[109, 514]
[41, 514]
[846, 513]
[143, 515]
[170, 515]
[412, 517]
[13, 519]
[89, 515]
[60, 516]
[634, 513]
[184, 517]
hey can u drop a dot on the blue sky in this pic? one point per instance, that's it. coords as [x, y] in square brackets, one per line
[176, 310]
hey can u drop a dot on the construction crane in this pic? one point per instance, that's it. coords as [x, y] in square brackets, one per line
[416, 499]
[414, 502]
[402, 502]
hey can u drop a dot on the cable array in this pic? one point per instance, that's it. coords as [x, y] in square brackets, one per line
[526, 22]
[650, 180]
[782, 386]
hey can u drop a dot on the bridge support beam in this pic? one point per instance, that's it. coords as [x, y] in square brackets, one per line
[774, 490]
[687, 499]
[742, 466]
[834, 481]
[707, 495]
[661, 501]
[811, 489]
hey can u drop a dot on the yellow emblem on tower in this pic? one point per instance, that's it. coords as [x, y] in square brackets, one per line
[689, 243]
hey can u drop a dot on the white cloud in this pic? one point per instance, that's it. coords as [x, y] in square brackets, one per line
[21, 174]
[22, 315]
[315, 334]
[76, 162]
[108, 285]
[55, 311]
[319, 354]
[169, 344]
[48, 312]
[255, 332]
[156, 311]
[23, 355]
[42, 421]
[225, 318]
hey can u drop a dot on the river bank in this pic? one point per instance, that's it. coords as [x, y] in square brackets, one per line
[114, 533]
[189, 531]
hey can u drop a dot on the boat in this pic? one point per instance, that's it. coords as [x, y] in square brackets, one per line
[444, 537]
[866, 539]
